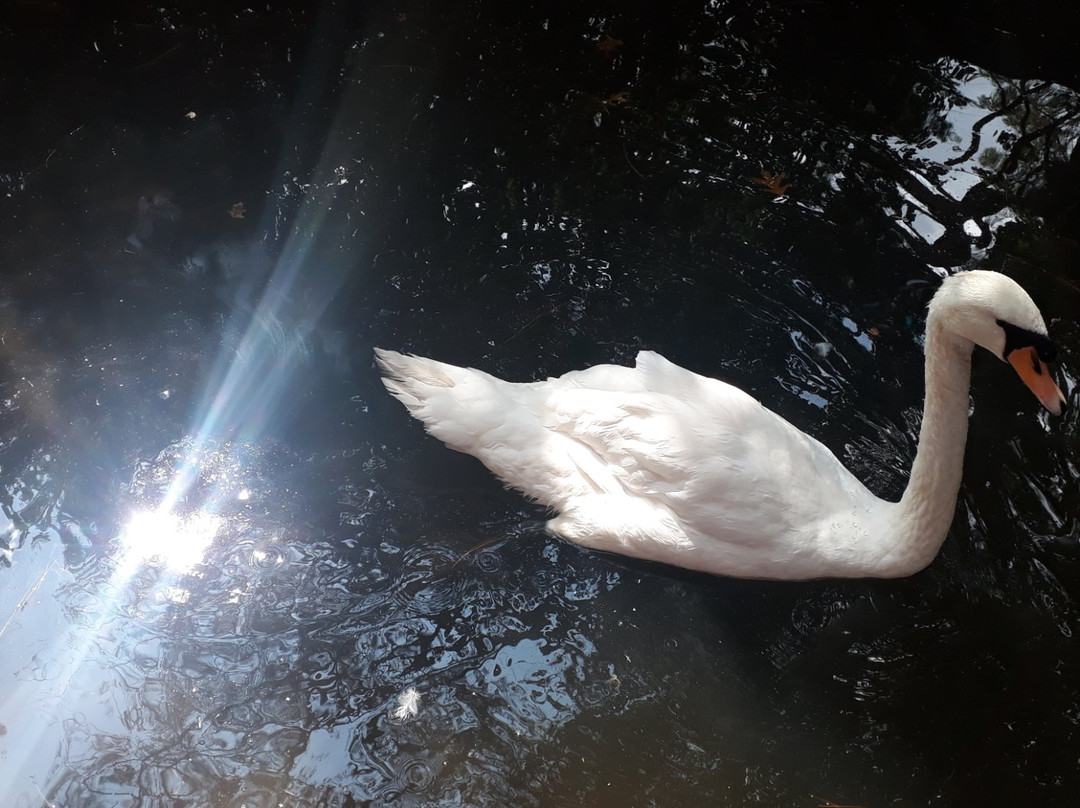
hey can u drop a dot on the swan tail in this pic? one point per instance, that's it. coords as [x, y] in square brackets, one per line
[498, 422]
[412, 380]
[459, 406]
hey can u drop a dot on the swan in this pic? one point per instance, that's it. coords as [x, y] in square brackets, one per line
[662, 464]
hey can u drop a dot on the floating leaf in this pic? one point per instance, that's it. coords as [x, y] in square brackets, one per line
[608, 45]
[773, 183]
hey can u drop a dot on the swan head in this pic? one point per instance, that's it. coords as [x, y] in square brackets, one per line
[991, 310]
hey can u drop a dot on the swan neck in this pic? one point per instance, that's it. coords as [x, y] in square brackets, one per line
[929, 502]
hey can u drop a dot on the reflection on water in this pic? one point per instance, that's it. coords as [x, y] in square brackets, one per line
[278, 658]
[233, 574]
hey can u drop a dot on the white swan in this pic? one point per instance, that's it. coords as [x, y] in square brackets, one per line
[663, 464]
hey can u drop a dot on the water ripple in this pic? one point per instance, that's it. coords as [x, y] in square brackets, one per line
[429, 582]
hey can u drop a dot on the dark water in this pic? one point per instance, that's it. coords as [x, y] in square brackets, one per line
[230, 564]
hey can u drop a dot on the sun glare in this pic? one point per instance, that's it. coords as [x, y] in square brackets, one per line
[177, 542]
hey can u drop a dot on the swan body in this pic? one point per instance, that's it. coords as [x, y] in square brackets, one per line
[660, 463]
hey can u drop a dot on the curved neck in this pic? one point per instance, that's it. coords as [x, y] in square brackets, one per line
[929, 502]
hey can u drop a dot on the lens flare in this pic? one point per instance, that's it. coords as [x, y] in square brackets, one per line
[179, 543]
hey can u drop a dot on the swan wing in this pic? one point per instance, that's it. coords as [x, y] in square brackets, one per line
[722, 464]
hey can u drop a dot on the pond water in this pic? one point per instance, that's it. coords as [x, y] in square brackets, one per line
[233, 572]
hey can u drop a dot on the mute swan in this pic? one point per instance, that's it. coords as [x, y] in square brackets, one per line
[663, 464]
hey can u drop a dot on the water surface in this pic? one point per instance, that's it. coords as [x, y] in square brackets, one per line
[234, 573]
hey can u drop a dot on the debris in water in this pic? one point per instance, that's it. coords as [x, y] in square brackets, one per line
[408, 704]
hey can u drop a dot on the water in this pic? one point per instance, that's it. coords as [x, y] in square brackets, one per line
[234, 573]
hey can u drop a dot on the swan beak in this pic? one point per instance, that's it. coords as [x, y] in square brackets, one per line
[1036, 376]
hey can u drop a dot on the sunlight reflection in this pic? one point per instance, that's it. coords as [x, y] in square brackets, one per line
[178, 542]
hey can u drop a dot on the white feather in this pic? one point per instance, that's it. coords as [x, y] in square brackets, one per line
[408, 704]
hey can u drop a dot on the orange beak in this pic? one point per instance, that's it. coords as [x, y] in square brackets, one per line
[1036, 376]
